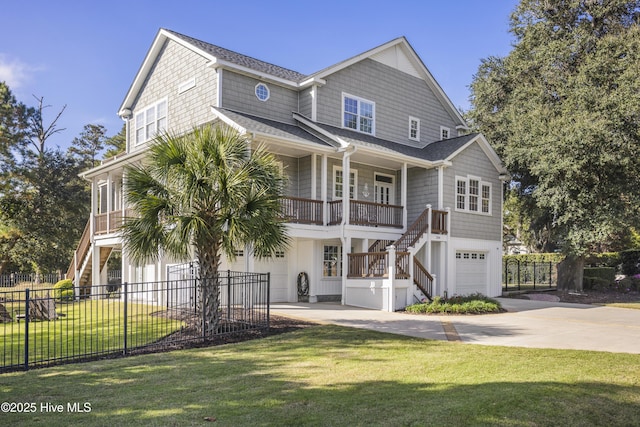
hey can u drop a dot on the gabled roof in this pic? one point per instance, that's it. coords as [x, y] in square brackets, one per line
[400, 54]
[217, 57]
[396, 53]
[326, 137]
[246, 123]
[222, 54]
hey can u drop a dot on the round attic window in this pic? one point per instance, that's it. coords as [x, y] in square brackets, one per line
[262, 91]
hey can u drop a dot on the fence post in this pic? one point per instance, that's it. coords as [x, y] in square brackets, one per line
[203, 282]
[126, 298]
[550, 271]
[506, 274]
[229, 294]
[26, 329]
[534, 275]
[268, 298]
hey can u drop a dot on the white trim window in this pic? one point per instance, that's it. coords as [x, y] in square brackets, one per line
[414, 129]
[473, 195]
[151, 121]
[358, 114]
[262, 92]
[338, 183]
[332, 261]
[445, 132]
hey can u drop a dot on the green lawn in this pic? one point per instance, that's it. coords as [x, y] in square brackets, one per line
[336, 376]
[84, 327]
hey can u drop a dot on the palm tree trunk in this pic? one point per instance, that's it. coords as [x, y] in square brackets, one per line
[209, 289]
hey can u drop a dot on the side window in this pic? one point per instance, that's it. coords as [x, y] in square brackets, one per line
[150, 121]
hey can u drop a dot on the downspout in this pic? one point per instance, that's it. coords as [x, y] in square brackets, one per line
[346, 173]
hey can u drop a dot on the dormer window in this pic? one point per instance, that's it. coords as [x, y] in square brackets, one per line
[445, 133]
[358, 114]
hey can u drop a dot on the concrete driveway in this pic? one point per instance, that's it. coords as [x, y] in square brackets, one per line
[539, 324]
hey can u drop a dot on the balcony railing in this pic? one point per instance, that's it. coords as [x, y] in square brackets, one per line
[376, 264]
[302, 211]
[108, 222]
[367, 213]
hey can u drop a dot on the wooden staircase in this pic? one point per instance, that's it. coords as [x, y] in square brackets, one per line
[377, 253]
[84, 263]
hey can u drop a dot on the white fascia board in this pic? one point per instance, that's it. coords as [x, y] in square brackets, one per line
[312, 81]
[295, 143]
[342, 144]
[432, 81]
[115, 164]
[413, 57]
[228, 121]
[216, 63]
[486, 147]
[403, 158]
[142, 73]
[348, 62]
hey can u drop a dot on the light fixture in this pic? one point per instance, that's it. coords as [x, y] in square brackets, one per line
[365, 190]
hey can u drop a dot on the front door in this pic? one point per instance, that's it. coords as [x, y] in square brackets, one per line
[383, 189]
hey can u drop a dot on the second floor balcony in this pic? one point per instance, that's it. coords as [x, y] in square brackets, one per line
[307, 211]
[297, 210]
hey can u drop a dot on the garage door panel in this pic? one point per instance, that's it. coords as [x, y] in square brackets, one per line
[471, 272]
[278, 267]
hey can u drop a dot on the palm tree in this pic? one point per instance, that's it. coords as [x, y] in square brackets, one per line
[205, 192]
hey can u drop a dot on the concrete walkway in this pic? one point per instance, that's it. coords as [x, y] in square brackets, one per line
[539, 324]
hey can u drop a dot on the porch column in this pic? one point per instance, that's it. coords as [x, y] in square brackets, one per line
[441, 187]
[96, 288]
[346, 187]
[323, 190]
[346, 247]
[109, 200]
[403, 196]
[313, 176]
[94, 207]
[391, 269]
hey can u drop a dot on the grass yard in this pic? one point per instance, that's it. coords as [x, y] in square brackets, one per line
[84, 328]
[337, 376]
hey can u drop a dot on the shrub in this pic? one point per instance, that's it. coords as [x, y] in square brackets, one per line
[596, 283]
[630, 283]
[604, 273]
[531, 258]
[630, 261]
[606, 259]
[63, 290]
[469, 304]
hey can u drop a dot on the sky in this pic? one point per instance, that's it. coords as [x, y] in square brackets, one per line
[85, 54]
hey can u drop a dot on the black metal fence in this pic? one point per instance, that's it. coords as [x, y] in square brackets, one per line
[523, 275]
[14, 279]
[46, 326]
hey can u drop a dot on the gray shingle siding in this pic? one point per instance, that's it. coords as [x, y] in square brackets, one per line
[174, 66]
[305, 102]
[238, 93]
[396, 95]
[304, 177]
[422, 189]
[473, 161]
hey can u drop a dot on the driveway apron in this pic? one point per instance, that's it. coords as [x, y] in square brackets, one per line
[527, 323]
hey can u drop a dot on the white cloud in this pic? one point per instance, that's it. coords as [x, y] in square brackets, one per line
[14, 72]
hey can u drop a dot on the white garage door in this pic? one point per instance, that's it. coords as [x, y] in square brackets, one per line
[471, 272]
[277, 266]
